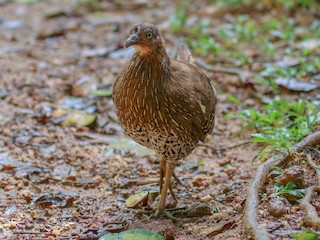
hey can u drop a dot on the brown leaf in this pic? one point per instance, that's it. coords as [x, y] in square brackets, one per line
[60, 199]
[140, 199]
[287, 62]
[7, 162]
[218, 228]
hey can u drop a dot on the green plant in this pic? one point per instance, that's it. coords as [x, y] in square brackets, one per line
[178, 20]
[289, 188]
[305, 235]
[280, 123]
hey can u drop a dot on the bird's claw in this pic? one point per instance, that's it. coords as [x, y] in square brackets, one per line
[163, 213]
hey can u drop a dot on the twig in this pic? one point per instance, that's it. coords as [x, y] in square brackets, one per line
[242, 76]
[219, 148]
[147, 181]
[29, 232]
[252, 226]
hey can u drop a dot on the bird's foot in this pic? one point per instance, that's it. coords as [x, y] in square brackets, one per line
[164, 213]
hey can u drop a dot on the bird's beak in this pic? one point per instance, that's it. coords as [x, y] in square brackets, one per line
[132, 40]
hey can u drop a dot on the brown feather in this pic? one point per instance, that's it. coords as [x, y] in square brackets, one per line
[164, 104]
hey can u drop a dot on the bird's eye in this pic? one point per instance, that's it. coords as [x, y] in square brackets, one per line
[149, 35]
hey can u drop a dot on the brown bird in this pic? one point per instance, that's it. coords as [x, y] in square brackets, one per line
[164, 104]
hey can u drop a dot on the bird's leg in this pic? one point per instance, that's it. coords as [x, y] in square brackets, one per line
[178, 180]
[163, 175]
[163, 171]
[169, 167]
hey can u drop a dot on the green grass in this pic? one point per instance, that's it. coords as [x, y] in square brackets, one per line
[259, 35]
[281, 123]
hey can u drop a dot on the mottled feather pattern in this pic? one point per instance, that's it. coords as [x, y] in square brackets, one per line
[160, 107]
[167, 105]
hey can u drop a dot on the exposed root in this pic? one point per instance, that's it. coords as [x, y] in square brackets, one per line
[311, 217]
[314, 166]
[252, 226]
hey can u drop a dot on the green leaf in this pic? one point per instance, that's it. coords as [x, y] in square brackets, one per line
[233, 99]
[101, 92]
[289, 188]
[304, 236]
[299, 193]
[135, 234]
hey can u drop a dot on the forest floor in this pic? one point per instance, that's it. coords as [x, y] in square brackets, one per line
[66, 166]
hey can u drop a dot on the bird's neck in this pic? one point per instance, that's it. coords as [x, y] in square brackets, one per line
[157, 64]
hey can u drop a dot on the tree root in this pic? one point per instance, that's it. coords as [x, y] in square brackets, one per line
[314, 166]
[252, 226]
[311, 217]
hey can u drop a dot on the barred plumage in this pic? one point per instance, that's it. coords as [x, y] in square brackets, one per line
[164, 104]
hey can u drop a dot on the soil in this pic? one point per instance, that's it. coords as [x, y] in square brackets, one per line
[71, 181]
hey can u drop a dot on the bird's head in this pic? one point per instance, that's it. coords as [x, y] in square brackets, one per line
[145, 38]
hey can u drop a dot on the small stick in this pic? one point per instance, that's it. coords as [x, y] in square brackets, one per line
[219, 148]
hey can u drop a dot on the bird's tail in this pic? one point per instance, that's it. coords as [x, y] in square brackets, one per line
[184, 55]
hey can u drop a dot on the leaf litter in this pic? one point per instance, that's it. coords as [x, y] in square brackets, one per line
[55, 92]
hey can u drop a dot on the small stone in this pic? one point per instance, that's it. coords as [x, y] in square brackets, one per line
[249, 102]
[97, 179]
[10, 224]
[277, 207]
[232, 186]
[128, 174]
[206, 199]
[199, 181]
[220, 177]
[33, 213]
[56, 231]
[8, 187]
[25, 193]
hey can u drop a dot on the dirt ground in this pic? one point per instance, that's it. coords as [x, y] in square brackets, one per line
[71, 182]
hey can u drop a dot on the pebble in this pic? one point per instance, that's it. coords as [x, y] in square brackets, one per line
[206, 199]
[277, 207]
[10, 224]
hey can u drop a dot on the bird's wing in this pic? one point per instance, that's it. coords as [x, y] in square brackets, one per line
[194, 99]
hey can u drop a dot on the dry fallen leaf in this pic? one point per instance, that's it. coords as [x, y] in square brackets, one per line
[67, 117]
[296, 85]
[142, 199]
[218, 228]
